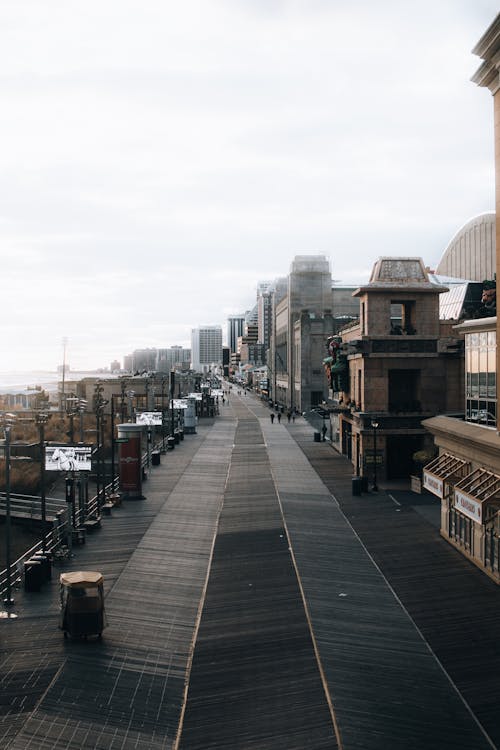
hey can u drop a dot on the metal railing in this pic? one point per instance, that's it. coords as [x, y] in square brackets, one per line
[29, 506]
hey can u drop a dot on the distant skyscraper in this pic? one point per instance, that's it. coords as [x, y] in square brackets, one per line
[206, 347]
[176, 357]
[235, 328]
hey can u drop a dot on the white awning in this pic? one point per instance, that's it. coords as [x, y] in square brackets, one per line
[476, 493]
[444, 468]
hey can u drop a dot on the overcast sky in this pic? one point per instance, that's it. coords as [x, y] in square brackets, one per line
[159, 158]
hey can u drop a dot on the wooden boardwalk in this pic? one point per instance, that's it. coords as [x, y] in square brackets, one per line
[254, 603]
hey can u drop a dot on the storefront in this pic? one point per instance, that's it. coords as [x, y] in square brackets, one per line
[440, 477]
[470, 501]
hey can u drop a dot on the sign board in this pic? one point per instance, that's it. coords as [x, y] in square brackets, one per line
[217, 392]
[468, 506]
[180, 403]
[68, 457]
[434, 484]
[148, 417]
[196, 396]
[370, 458]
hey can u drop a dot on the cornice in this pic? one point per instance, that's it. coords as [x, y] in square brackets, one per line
[489, 43]
[488, 48]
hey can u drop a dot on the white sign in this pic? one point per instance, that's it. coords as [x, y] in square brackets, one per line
[180, 403]
[68, 457]
[433, 484]
[217, 392]
[468, 506]
[148, 417]
[196, 396]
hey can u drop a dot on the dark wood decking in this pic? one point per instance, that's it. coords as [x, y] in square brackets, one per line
[202, 570]
[455, 606]
[255, 681]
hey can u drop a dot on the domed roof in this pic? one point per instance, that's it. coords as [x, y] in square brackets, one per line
[471, 254]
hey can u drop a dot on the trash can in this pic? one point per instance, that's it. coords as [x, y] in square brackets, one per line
[181, 434]
[155, 458]
[170, 443]
[356, 485]
[317, 437]
[33, 575]
[364, 484]
[46, 563]
[177, 437]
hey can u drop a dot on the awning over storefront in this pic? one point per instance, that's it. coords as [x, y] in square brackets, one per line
[477, 492]
[444, 468]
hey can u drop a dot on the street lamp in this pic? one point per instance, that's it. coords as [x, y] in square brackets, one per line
[130, 395]
[41, 418]
[374, 427]
[8, 421]
[172, 394]
[99, 404]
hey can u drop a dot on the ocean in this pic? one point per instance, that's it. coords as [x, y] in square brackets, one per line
[15, 381]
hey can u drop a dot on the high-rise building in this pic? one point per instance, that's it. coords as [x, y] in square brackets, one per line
[206, 348]
[235, 328]
[173, 358]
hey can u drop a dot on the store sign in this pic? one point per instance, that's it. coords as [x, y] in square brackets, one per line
[434, 484]
[468, 506]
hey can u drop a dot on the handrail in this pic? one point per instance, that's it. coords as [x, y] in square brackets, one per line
[57, 536]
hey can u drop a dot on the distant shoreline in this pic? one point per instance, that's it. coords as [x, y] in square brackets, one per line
[18, 381]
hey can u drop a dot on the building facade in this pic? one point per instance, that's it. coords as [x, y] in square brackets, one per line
[466, 473]
[235, 329]
[206, 348]
[393, 368]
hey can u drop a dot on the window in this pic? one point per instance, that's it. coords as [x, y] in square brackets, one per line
[480, 378]
[402, 318]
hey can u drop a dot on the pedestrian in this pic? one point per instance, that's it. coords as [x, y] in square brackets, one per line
[279, 416]
[288, 416]
[323, 431]
[272, 417]
[293, 416]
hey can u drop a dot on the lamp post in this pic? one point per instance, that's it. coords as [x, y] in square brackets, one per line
[130, 395]
[99, 404]
[41, 418]
[8, 420]
[374, 427]
[123, 389]
[172, 393]
[163, 383]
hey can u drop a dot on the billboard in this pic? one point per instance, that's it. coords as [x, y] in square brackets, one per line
[180, 403]
[148, 417]
[68, 457]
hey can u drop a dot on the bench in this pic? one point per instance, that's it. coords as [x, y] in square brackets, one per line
[93, 523]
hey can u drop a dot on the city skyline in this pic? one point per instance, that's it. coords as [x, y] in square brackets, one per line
[160, 160]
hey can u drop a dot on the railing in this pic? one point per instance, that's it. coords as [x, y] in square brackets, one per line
[28, 506]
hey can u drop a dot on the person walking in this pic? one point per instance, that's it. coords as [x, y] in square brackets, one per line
[272, 417]
[279, 416]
